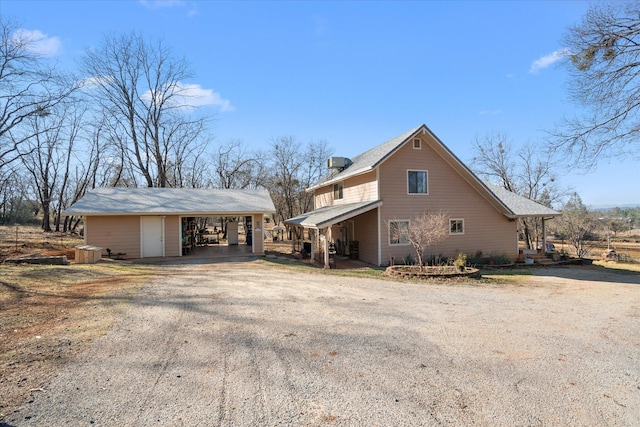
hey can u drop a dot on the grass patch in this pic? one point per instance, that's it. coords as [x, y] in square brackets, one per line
[619, 267]
[50, 313]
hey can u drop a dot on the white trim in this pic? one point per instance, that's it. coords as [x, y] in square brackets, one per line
[179, 235]
[379, 236]
[389, 232]
[340, 186]
[451, 233]
[426, 182]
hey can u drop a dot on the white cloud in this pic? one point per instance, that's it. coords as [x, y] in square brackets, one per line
[38, 42]
[194, 96]
[547, 60]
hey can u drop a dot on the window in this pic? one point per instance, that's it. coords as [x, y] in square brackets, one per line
[337, 191]
[398, 232]
[417, 143]
[417, 182]
[456, 226]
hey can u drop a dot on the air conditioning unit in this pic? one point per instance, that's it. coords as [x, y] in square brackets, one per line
[338, 162]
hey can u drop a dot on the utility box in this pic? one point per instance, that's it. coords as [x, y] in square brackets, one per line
[86, 254]
[232, 233]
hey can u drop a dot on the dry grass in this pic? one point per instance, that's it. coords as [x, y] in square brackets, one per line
[49, 313]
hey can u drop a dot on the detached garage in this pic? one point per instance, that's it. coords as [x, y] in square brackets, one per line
[156, 222]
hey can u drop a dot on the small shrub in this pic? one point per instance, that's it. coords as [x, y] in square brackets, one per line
[499, 259]
[436, 260]
[460, 262]
[408, 260]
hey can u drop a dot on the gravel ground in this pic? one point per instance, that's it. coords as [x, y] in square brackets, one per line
[243, 344]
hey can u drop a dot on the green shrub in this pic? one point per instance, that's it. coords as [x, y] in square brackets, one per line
[499, 259]
[460, 262]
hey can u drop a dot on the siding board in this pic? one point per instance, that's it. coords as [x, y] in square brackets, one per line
[486, 229]
[121, 234]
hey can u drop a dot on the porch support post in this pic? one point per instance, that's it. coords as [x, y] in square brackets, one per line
[326, 248]
[313, 239]
[544, 236]
[293, 240]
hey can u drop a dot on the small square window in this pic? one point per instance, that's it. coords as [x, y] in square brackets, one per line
[338, 190]
[456, 226]
[399, 232]
[417, 143]
[417, 182]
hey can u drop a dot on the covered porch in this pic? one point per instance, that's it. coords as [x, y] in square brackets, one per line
[331, 231]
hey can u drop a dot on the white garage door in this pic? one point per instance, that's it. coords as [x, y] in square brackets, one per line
[152, 236]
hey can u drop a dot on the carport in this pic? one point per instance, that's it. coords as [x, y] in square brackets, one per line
[163, 222]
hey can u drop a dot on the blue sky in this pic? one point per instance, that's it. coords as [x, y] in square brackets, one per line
[355, 73]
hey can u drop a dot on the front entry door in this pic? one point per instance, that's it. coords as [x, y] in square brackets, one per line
[152, 243]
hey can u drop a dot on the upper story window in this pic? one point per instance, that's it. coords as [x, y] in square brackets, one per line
[417, 143]
[338, 190]
[417, 182]
[456, 226]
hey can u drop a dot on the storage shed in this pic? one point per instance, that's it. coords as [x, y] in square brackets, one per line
[155, 222]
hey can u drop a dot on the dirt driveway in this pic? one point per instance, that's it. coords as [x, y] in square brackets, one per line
[244, 344]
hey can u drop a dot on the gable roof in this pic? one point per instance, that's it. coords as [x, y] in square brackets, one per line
[506, 202]
[368, 160]
[171, 201]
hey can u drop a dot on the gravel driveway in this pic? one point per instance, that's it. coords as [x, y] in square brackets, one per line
[244, 344]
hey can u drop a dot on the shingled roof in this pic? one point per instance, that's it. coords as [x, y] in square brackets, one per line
[171, 201]
[510, 204]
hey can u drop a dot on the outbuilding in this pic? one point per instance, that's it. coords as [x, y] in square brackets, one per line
[160, 222]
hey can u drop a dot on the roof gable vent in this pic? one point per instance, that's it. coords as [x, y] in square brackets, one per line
[338, 162]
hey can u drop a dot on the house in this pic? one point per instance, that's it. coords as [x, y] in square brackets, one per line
[361, 199]
[161, 222]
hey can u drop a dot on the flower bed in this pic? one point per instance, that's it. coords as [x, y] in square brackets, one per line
[414, 272]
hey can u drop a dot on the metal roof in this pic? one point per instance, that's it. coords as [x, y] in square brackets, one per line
[171, 201]
[329, 215]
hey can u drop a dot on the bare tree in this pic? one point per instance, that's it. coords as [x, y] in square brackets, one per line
[140, 87]
[294, 168]
[602, 53]
[422, 231]
[578, 226]
[527, 172]
[236, 167]
[28, 88]
[48, 156]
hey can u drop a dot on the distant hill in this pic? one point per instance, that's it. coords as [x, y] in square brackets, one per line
[611, 207]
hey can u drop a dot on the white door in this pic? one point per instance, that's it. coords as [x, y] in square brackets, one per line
[152, 241]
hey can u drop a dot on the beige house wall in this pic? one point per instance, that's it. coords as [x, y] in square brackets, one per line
[365, 232]
[121, 234]
[484, 228]
[361, 188]
[258, 234]
[172, 236]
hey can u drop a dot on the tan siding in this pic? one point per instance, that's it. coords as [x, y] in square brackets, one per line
[323, 197]
[118, 233]
[485, 228]
[365, 232]
[258, 239]
[172, 236]
[361, 188]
